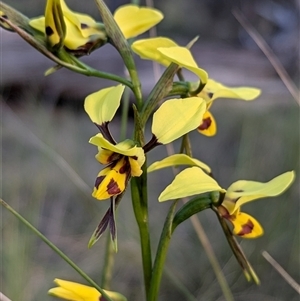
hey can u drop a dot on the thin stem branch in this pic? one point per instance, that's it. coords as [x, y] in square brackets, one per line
[55, 249]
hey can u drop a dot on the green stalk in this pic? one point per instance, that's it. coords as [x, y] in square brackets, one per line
[161, 254]
[140, 207]
[124, 117]
[108, 263]
[55, 249]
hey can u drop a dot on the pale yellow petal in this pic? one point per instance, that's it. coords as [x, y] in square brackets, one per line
[101, 106]
[219, 90]
[178, 159]
[246, 226]
[176, 117]
[191, 181]
[126, 147]
[242, 191]
[208, 126]
[134, 20]
[183, 57]
[38, 23]
[147, 49]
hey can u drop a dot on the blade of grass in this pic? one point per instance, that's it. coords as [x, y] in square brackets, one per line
[265, 48]
[54, 248]
[281, 271]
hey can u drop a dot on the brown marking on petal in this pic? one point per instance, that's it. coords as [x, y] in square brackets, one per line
[4, 17]
[49, 31]
[101, 298]
[134, 157]
[210, 94]
[246, 228]
[239, 190]
[223, 212]
[113, 187]
[83, 26]
[206, 122]
[99, 181]
[113, 157]
[125, 168]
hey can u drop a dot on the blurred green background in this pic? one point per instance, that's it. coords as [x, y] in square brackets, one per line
[42, 124]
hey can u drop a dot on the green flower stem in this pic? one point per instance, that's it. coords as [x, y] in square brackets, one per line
[118, 40]
[161, 254]
[160, 90]
[140, 207]
[55, 249]
[124, 117]
[80, 67]
[108, 263]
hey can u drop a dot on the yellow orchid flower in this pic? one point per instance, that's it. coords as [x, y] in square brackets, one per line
[165, 51]
[173, 119]
[214, 90]
[82, 33]
[194, 180]
[73, 291]
[124, 160]
[134, 20]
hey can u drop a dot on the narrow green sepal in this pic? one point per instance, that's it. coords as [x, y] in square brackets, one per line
[160, 90]
[117, 39]
[241, 258]
[195, 205]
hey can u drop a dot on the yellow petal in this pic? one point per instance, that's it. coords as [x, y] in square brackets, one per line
[242, 192]
[178, 159]
[106, 156]
[208, 126]
[38, 24]
[134, 20]
[183, 57]
[86, 25]
[135, 167]
[101, 106]
[74, 291]
[176, 117]
[246, 226]
[126, 148]
[219, 90]
[111, 180]
[54, 23]
[190, 181]
[147, 49]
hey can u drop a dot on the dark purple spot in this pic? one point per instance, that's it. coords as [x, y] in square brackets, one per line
[246, 228]
[99, 181]
[101, 298]
[49, 31]
[4, 17]
[83, 26]
[113, 187]
[206, 122]
[125, 168]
